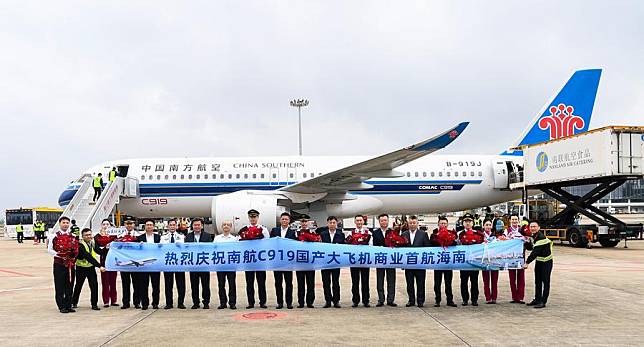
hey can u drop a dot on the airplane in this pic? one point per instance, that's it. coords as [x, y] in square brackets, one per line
[405, 181]
[137, 263]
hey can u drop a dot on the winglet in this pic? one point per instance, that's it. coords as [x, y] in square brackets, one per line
[442, 140]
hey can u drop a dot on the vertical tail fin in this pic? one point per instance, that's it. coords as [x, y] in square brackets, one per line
[567, 113]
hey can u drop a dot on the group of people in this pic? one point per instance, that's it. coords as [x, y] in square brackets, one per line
[92, 250]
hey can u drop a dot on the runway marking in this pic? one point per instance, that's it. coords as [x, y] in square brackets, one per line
[16, 273]
[127, 328]
[259, 316]
[3, 291]
[445, 326]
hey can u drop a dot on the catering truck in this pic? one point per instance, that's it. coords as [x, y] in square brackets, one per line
[601, 159]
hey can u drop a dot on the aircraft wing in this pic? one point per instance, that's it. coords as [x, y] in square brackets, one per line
[353, 177]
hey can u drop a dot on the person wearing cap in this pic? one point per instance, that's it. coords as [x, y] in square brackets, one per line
[169, 278]
[130, 278]
[253, 218]
[467, 237]
[286, 277]
[199, 236]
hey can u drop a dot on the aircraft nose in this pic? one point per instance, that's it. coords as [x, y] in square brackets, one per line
[67, 195]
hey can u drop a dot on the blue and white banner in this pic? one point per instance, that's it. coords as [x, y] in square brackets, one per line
[286, 254]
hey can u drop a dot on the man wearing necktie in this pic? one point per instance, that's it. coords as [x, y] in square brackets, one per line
[198, 235]
[415, 238]
[172, 236]
[284, 231]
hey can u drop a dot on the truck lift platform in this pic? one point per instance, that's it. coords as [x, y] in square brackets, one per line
[605, 157]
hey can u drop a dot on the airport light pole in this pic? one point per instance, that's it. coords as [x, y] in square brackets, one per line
[299, 103]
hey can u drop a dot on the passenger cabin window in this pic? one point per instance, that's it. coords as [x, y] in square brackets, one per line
[182, 176]
[408, 174]
[416, 174]
[291, 175]
[424, 174]
[158, 177]
[230, 176]
[174, 177]
[448, 173]
[274, 175]
[464, 174]
[189, 177]
[304, 175]
[261, 176]
[440, 174]
[455, 174]
[246, 176]
[432, 173]
[237, 176]
[254, 175]
[142, 177]
[166, 177]
[480, 174]
[150, 177]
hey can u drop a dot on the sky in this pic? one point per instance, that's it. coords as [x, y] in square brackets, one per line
[83, 82]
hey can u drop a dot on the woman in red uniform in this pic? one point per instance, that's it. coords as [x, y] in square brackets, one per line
[108, 278]
[490, 277]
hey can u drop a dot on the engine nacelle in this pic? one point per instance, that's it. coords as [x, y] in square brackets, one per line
[235, 206]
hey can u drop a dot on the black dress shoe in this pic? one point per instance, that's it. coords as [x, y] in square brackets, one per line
[327, 305]
[521, 302]
[488, 303]
[380, 304]
[233, 307]
[195, 306]
[167, 307]
[74, 306]
[206, 307]
[221, 307]
[95, 308]
[493, 302]
[263, 306]
[437, 305]
[310, 306]
[64, 310]
[354, 305]
[410, 304]
[106, 305]
[300, 306]
[392, 304]
[144, 308]
[181, 306]
[336, 305]
[155, 307]
[474, 303]
[137, 306]
[514, 302]
[114, 305]
[540, 305]
[366, 305]
[290, 307]
[421, 305]
[125, 307]
[464, 303]
[532, 303]
[279, 307]
[71, 310]
[451, 304]
[250, 306]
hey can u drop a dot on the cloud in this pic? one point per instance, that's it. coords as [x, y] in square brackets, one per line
[84, 83]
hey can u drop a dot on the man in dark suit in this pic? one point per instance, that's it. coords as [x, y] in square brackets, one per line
[197, 236]
[360, 274]
[332, 291]
[286, 277]
[439, 275]
[416, 238]
[145, 277]
[379, 235]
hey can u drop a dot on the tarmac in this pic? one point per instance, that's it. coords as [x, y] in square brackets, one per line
[596, 300]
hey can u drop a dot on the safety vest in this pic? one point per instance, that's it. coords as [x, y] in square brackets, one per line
[19, 228]
[36, 227]
[544, 242]
[112, 176]
[83, 262]
[97, 182]
[477, 222]
[75, 230]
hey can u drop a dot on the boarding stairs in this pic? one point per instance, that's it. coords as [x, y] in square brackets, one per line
[90, 214]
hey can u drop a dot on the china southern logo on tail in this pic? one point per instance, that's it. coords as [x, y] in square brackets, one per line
[561, 122]
[567, 113]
